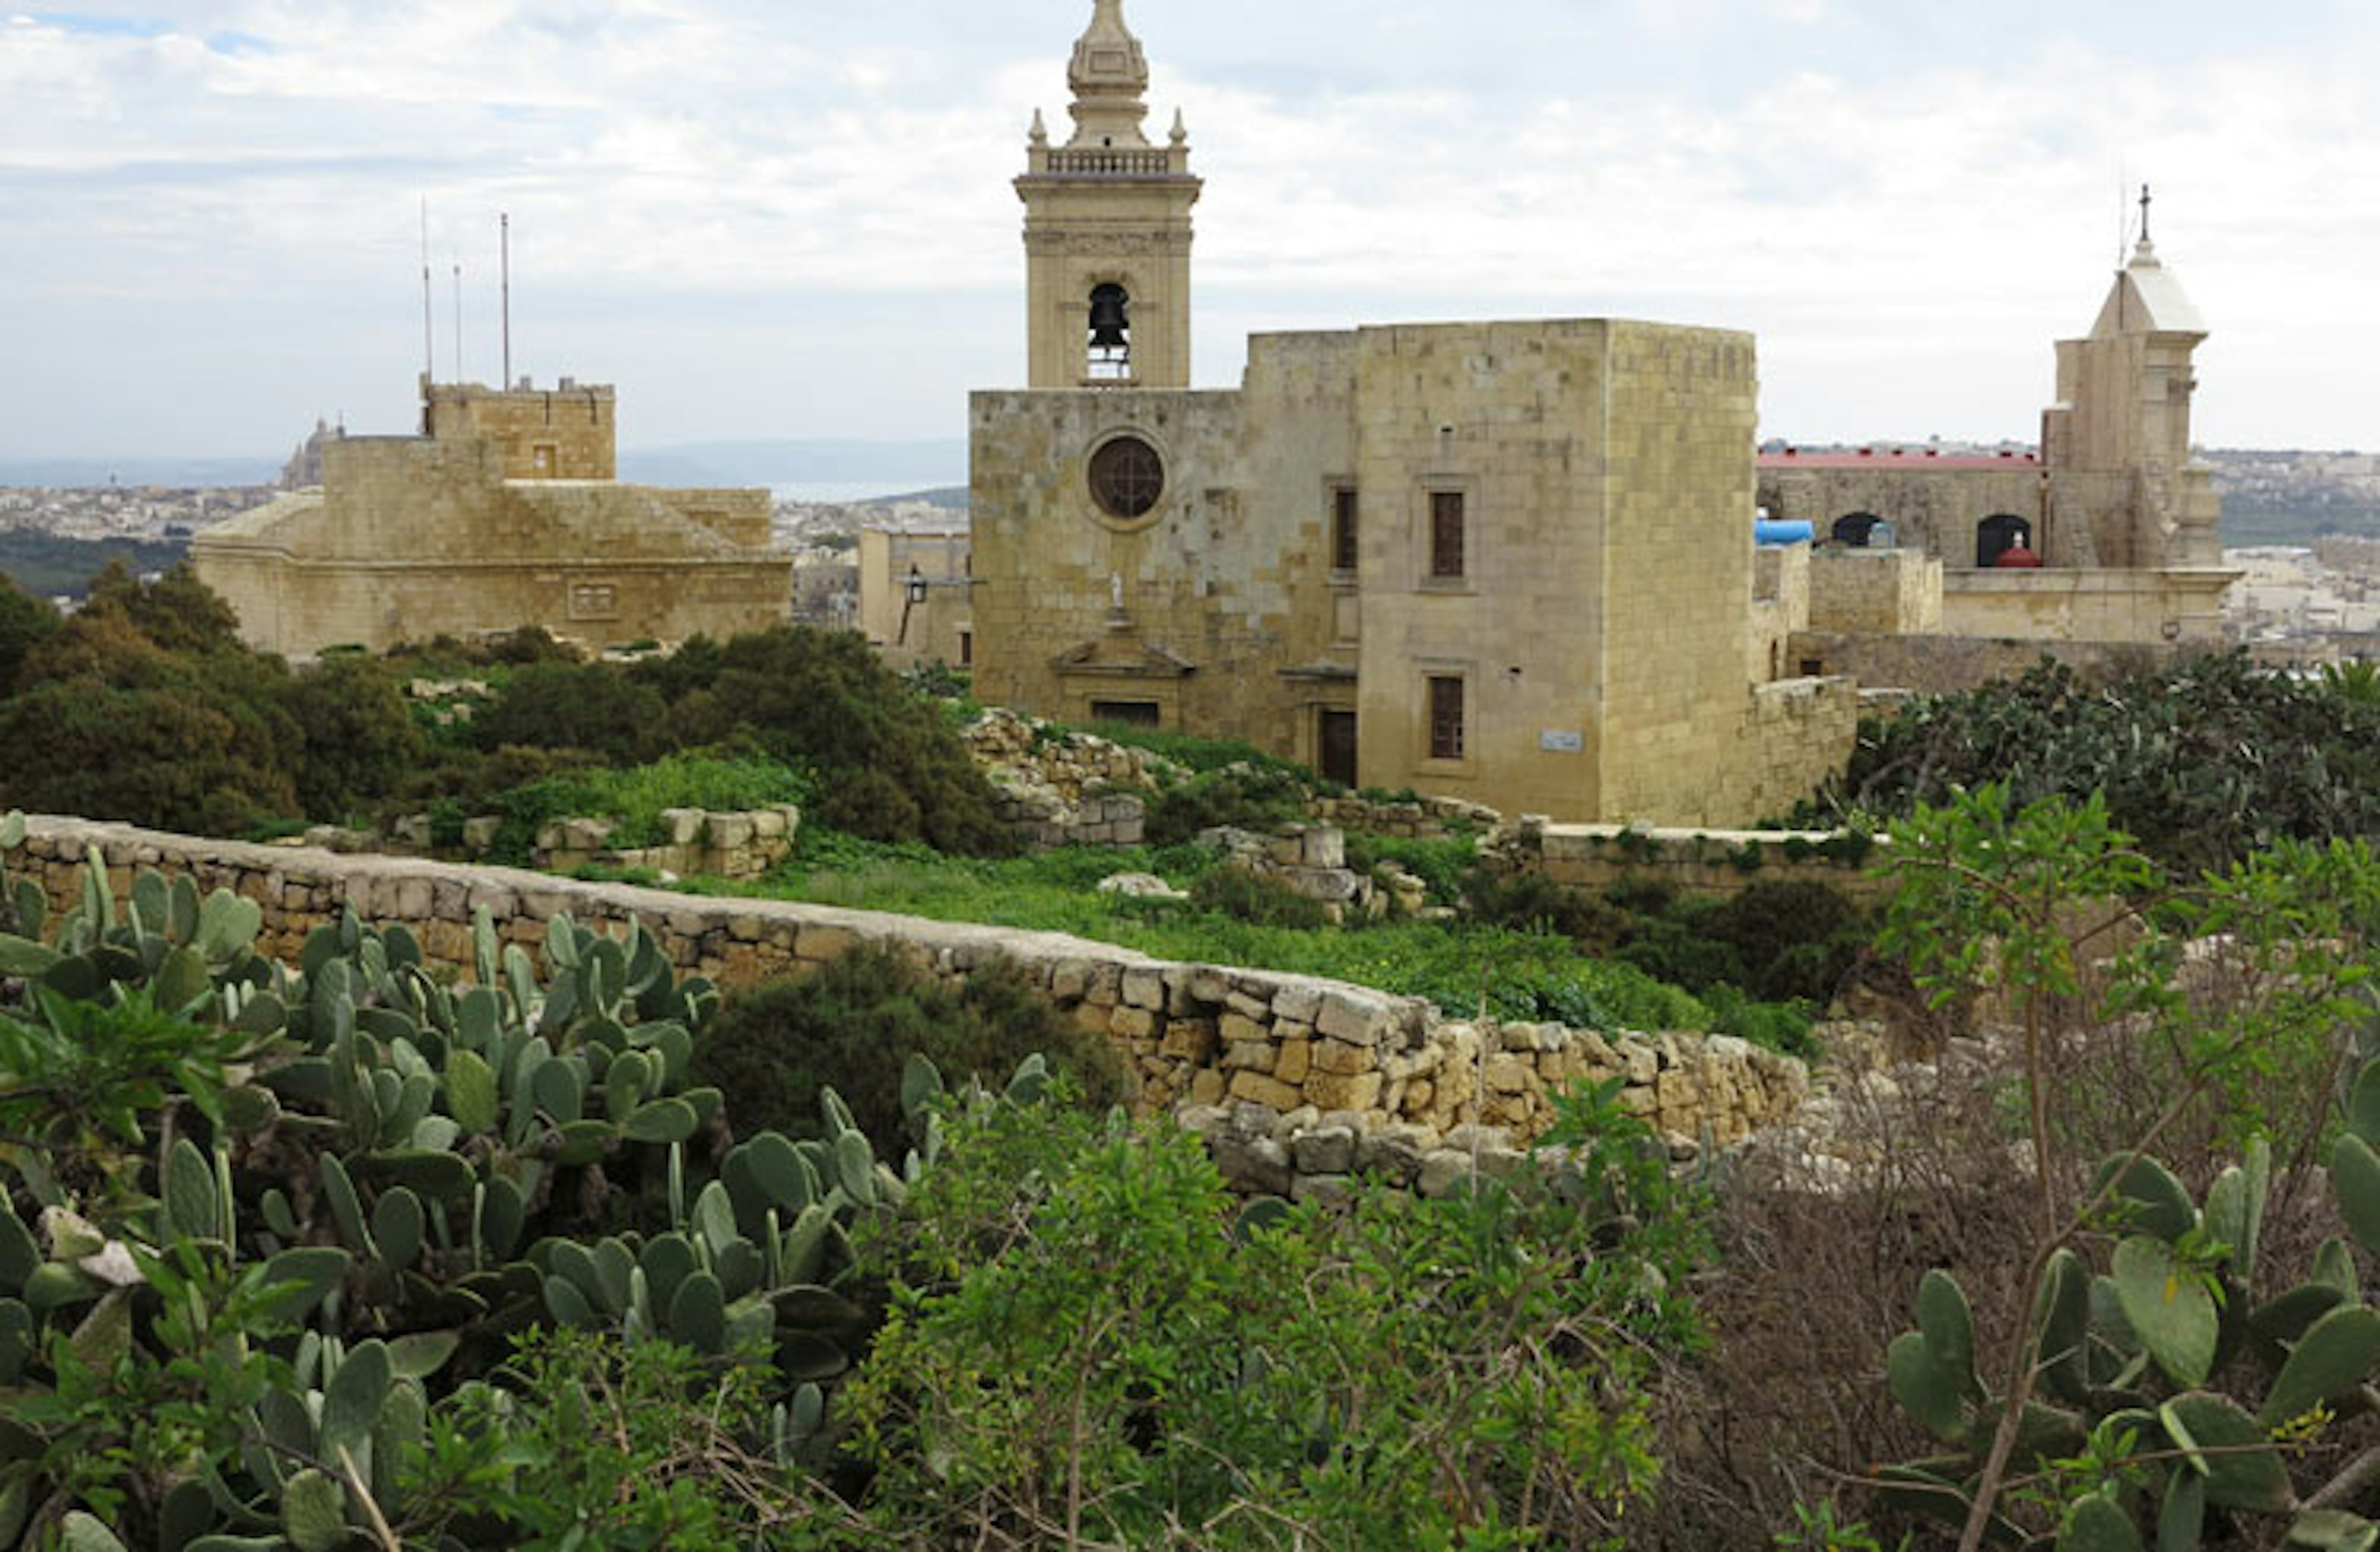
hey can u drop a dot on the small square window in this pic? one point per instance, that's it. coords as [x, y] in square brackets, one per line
[1446, 731]
[1446, 535]
[1346, 536]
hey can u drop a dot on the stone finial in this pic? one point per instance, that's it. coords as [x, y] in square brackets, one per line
[1181, 131]
[1109, 76]
[1039, 138]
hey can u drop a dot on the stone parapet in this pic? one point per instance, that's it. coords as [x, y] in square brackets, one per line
[1298, 1047]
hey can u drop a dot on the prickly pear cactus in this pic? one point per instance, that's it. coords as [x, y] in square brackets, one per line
[400, 1172]
[2191, 1395]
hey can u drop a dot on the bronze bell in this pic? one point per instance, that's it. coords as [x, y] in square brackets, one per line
[1110, 318]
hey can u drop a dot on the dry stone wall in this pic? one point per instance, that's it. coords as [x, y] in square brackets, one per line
[1250, 1056]
[1700, 862]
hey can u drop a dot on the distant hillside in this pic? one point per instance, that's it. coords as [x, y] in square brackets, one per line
[953, 498]
[180, 474]
[869, 467]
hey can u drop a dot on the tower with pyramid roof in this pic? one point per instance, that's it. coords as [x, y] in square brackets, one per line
[1107, 228]
[2128, 489]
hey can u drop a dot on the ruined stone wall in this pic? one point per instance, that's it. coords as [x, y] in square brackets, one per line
[1308, 1054]
[1698, 862]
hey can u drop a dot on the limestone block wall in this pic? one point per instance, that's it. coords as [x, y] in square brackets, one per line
[1875, 592]
[1944, 664]
[1702, 862]
[2145, 608]
[1933, 511]
[1304, 1050]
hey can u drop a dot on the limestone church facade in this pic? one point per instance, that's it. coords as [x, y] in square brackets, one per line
[1511, 561]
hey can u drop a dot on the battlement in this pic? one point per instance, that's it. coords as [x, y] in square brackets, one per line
[568, 432]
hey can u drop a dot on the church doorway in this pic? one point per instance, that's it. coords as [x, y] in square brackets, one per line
[1334, 743]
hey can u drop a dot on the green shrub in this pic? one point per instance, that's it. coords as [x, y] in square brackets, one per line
[1243, 796]
[359, 740]
[634, 799]
[595, 707]
[24, 620]
[1089, 1332]
[890, 767]
[854, 1024]
[1236, 892]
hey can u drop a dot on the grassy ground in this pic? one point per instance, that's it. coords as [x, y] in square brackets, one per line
[1461, 968]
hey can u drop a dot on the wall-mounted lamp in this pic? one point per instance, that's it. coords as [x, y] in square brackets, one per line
[912, 594]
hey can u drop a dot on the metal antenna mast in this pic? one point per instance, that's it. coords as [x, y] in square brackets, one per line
[428, 334]
[458, 320]
[505, 227]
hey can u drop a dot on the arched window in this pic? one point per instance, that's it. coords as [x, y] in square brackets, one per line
[1856, 531]
[1999, 534]
[1110, 335]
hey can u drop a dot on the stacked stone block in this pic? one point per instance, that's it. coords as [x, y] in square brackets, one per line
[1391, 1070]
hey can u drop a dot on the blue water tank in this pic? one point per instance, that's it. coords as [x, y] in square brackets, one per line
[1771, 531]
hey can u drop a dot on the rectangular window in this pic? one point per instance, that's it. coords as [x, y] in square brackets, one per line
[967, 648]
[1446, 741]
[1345, 537]
[1127, 713]
[1446, 535]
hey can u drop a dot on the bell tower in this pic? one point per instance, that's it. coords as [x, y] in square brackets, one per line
[1107, 229]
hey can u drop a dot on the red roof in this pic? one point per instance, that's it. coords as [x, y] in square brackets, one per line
[1912, 460]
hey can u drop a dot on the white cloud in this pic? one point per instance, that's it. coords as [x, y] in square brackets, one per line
[1907, 226]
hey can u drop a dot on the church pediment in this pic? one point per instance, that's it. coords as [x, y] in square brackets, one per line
[1122, 658]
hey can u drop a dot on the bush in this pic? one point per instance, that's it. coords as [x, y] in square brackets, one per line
[890, 767]
[854, 1026]
[359, 739]
[2203, 761]
[636, 799]
[1236, 892]
[109, 724]
[24, 621]
[1243, 796]
[1087, 1331]
[593, 707]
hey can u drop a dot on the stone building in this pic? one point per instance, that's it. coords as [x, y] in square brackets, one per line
[505, 511]
[1508, 561]
[2117, 508]
[914, 603]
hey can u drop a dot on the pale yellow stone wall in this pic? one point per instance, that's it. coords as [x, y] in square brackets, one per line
[1875, 592]
[940, 628]
[414, 536]
[2142, 608]
[1780, 606]
[1224, 588]
[1602, 626]
[565, 433]
[1936, 511]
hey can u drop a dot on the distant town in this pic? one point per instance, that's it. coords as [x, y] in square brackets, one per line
[2303, 526]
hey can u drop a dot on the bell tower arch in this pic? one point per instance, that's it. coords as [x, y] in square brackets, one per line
[1107, 229]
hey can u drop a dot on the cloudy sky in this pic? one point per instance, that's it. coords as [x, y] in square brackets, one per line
[792, 218]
